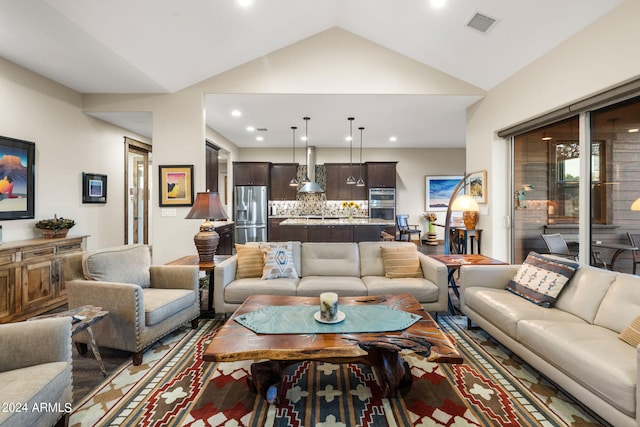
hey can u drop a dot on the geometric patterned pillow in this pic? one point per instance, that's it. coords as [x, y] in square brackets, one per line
[541, 278]
[278, 261]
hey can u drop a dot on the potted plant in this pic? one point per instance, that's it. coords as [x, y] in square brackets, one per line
[56, 227]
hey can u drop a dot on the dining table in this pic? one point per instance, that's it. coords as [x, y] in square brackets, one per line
[619, 249]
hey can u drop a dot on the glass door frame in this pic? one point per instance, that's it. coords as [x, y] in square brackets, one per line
[139, 148]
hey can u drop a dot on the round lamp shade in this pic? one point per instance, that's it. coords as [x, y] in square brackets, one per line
[465, 203]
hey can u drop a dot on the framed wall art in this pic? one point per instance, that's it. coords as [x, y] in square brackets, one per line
[439, 190]
[17, 178]
[94, 188]
[176, 185]
[477, 186]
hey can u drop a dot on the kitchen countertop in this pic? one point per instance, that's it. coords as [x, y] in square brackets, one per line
[337, 221]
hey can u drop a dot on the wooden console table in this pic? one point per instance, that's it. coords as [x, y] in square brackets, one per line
[207, 267]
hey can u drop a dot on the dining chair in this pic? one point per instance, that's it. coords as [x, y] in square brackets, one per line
[634, 240]
[405, 229]
[557, 245]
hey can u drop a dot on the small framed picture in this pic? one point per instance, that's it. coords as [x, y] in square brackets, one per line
[477, 186]
[94, 188]
[176, 185]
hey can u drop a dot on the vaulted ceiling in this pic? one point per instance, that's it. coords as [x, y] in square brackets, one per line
[164, 46]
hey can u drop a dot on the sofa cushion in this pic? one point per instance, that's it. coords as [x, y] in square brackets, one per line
[344, 286]
[505, 310]
[295, 250]
[541, 278]
[401, 262]
[621, 304]
[278, 261]
[591, 355]
[330, 259]
[422, 289]
[250, 261]
[48, 382]
[371, 263]
[583, 294]
[160, 304]
[239, 290]
[631, 334]
[121, 264]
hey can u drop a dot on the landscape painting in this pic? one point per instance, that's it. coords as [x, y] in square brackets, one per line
[439, 190]
[17, 159]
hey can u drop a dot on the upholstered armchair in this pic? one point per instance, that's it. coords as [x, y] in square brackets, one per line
[145, 302]
[35, 372]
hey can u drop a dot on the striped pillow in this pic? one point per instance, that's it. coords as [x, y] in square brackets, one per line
[401, 262]
[540, 278]
[631, 334]
[250, 261]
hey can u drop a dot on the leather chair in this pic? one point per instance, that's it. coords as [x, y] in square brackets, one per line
[145, 302]
[405, 229]
[634, 240]
[556, 245]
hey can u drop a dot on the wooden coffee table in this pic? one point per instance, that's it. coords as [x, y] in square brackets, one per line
[234, 342]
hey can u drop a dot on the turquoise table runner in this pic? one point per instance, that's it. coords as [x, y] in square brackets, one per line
[299, 320]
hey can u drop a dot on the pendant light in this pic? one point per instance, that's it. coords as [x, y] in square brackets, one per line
[294, 181]
[360, 181]
[306, 179]
[350, 179]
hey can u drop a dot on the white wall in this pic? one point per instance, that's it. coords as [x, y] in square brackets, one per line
[599, 57]
[68, 142]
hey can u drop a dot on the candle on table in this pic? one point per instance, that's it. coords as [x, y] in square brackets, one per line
[328, 306]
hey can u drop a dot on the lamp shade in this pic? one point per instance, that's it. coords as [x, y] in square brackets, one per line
[635, 206]
[207, 206]
[465, 203]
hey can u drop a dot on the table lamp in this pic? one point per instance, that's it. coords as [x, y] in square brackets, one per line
[207, 206]
[469, 208]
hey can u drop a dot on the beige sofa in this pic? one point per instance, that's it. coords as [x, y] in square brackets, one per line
[145, 302]
[349, 269]
[35, 372]
[575, 343]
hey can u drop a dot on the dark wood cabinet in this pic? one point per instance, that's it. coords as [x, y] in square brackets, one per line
[330, 233]
[211, 167]
[280, 176]
[381, 174]
[294, 233]
[274, 230]
[337, 188]
[251, 173]
[367, 233]
[225, 246]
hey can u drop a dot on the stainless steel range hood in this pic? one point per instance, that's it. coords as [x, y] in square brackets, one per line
[311, 187]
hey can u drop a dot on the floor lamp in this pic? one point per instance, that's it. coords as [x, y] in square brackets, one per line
[447, 225]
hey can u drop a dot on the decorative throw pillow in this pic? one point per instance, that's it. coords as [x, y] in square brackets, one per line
[541, 278]
[631, 334]
[401, 262]
[278, 261]
[250, 261]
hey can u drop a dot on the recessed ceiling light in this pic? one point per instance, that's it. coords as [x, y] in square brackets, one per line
[633, 130]
[236, 113]
[547, 138]
[304, 138]
[348, 138]
[259, 138]
[245, 3]
[438, 3]
[393, 139]
[250, 129]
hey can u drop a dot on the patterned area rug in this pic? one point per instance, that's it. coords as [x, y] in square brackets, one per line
[174, 386]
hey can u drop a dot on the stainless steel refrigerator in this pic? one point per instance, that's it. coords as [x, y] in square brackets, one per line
[250, 213]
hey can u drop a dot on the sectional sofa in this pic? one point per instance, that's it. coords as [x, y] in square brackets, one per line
[576, 343]
[349, 269]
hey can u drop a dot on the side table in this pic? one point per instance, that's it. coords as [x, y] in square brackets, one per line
[88, 316]
[454, 262]
[207, 267]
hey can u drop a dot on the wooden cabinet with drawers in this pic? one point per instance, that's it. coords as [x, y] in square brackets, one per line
[31, 279]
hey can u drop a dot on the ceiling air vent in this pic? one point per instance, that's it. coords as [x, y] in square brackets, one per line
[480, 22]
[261, 129]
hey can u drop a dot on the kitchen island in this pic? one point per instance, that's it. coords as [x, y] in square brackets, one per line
[315, 229]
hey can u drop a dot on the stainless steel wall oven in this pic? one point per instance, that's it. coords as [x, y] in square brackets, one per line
[382, 203]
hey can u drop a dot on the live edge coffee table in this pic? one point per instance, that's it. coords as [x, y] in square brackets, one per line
[234, 342]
